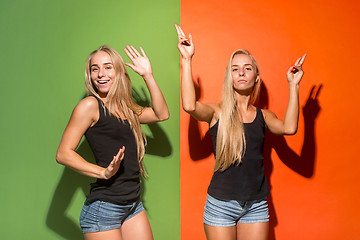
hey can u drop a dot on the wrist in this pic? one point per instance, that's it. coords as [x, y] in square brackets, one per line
[186, 59]
[102, 174]
[147, 76]
[295, 86]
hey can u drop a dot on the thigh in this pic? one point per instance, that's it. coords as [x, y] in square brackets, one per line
[255, 212]
[221, 213]
[217, 233]
[252, 231]
[114, 234]
[102, 216]
[137, 228]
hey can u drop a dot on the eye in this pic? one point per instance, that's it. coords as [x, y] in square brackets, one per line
[248, 68]
[234, 69]
[94, 69]
[108, 67]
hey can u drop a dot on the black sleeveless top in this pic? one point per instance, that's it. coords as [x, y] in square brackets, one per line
[105, 138]
[245, 181]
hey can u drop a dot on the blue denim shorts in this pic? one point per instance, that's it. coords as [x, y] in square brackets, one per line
[102, 216]
[227, 213]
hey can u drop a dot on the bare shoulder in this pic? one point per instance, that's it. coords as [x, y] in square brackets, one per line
[269, 116]
[87, 108]
[88, 104]
[267, 113]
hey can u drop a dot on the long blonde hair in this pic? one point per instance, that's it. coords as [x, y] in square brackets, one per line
[120, 102]
[230, 143]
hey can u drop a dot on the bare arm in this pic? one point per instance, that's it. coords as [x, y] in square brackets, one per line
[200, 111]
[289, 125]
[141, 65]
[83, 116]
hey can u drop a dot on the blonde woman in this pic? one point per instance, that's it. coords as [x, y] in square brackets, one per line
[110, 120]
[236, 206]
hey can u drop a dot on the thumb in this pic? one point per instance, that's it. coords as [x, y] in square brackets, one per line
[130, 65]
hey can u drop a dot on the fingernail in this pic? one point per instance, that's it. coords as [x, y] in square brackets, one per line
[294, 70]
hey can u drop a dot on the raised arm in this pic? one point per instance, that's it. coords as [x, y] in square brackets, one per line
[200, 111]
[84, 115]
[289, 125]
[141, 65]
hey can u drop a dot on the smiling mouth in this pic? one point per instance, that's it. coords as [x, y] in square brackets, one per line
[103, 81]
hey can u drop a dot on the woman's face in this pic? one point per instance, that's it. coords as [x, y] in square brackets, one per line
[243, 72]
[102, 72]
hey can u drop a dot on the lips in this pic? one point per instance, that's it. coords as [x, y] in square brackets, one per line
[102, 81]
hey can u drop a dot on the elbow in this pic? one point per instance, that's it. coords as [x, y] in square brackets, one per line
[291, 131]
[165, 117]
[59, 158]
[188, 108]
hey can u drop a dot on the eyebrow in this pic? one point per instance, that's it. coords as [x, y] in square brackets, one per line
[248, 64]
[92, 65]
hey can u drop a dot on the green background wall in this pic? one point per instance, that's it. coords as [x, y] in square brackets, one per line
[44, 45]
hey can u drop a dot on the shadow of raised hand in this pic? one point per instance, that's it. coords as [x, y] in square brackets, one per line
[158, 143]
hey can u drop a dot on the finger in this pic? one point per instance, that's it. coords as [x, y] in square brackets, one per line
[130, 65]
[294, 69]
[121, 156]
[129, 54]
[191, 39]
[180, 34]
[302, 59]
[182, 38]
[112, 163]
[120, 152]
[177, 29]
[137, 54]
[185, 42]
[181, 31]
[297, 61]
[131, 51]
[142, 52]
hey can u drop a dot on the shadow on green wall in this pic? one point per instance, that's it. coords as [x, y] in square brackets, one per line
[57, 220]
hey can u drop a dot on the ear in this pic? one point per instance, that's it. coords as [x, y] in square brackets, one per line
[257, 79]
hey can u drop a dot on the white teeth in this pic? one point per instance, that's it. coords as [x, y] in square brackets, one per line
[101, 82]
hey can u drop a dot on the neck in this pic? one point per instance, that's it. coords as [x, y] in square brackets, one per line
[243, 101]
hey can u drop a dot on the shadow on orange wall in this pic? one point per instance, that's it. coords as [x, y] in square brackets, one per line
[200, 147]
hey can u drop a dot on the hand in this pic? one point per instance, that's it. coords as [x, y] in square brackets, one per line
[185, 45]
[141, 64]
[114, 164]
[295, 72]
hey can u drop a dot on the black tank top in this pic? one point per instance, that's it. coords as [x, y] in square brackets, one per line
[245, 181]
[105, 138]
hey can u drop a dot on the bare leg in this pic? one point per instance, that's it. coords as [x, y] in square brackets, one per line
[114, 234]
[137, 228]
[223, 233]
[252, 231]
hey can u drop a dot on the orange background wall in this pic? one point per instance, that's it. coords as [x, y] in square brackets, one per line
[313, 175]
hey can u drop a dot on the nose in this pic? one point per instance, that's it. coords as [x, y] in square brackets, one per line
[242, 72]
[101, 73]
